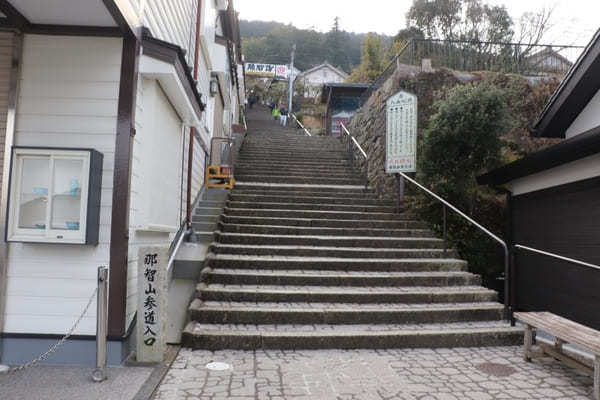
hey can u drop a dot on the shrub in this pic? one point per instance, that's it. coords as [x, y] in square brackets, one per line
[461, 142]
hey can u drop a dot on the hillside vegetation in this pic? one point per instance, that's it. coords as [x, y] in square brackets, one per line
[271, 43]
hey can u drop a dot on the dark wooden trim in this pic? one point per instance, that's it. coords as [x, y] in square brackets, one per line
[221, 40]
[17, 21]
[114, 8]
[580, 146]
[119, 235]
[15, 18]
[570, 98]
[75, 30]
[173, 54]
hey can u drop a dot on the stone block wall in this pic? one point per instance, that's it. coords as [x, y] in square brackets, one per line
[369, 123]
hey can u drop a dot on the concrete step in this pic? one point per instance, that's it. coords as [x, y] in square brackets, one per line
[308, 213]
[305, 191]
[311, 152]
[342, 165]
[300, 198]
[337, 278]
[208, 211]
[334, 294]
[330, 241]
[335, 264]
[300, 164]
[305, 150]
[321, 251]
[249, 337]
[247, 177]
[316, 231]
[346, 173]
[311, 206]
[341, 313]
[205, 226]
[323, 222]
[292, 158]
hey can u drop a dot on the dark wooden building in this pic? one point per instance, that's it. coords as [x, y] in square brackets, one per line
[342, 99]
[555, 200]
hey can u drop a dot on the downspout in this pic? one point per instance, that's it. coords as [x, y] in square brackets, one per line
[188, 215]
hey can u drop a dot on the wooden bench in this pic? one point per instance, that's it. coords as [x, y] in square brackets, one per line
[564, 331]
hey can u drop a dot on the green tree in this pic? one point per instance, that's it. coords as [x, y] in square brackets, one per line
[372, 60]
[462, 141]
[334, 41]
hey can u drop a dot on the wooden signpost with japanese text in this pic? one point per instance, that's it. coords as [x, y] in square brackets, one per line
[152, 304]
[401, 137]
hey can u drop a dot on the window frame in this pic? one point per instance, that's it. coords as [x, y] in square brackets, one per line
[48, 235]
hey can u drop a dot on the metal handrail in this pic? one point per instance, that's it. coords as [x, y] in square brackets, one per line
[301, 126]
[354, 140]
[557, 256]
[176, 249]
[507, 310]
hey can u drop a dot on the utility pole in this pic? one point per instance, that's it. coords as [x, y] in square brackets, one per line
[291, 83]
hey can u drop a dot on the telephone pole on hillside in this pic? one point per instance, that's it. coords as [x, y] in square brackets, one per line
[291, 83]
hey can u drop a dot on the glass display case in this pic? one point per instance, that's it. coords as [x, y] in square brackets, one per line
[54, 195]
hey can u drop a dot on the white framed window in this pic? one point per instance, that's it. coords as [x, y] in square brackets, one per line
[50, 196]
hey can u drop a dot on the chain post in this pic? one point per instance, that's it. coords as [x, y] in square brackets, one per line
[58, 344]
[99, 374]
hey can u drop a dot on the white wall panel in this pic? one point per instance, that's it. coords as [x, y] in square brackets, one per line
[588, 119]
[68, 98]
[156, 177]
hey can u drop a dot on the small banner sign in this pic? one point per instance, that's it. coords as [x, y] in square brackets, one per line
[401, 133]
[152, 304]
[267, 70]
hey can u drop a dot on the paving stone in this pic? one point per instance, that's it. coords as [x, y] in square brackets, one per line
[416, 374]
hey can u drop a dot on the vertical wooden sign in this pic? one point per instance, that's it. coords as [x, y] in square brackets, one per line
[152, 304]
[401, 133]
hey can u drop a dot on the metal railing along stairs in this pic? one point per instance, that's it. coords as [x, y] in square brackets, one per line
[445, 203]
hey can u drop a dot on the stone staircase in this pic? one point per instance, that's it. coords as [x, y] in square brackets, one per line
[305, 257]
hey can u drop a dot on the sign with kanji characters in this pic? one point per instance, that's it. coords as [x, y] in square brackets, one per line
[267, 70]
[401, 133]
[152, 304]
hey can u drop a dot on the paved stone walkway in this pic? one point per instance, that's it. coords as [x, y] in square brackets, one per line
[407, 374]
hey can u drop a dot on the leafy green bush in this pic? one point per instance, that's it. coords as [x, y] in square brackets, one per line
[462, 141]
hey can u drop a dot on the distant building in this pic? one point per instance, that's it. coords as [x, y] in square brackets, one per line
[314, 78]
[342, 99]
[554, 201]
[547, 61]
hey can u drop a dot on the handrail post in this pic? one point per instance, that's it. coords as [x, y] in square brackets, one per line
[99, 374]
[445, 235]
[400, 180]
[507, 285]
[512, 285]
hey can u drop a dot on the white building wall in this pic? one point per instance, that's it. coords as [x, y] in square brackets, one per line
[588, 119]
[6, 53]
[68, 98]
[173, 21]
[585, 168]
[157, 198]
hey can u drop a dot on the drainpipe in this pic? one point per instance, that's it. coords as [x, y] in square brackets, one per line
[188, 215]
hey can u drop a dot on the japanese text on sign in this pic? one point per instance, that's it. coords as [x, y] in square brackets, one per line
[152, 317]
[150, 303]
[401, 133]
[267, 70]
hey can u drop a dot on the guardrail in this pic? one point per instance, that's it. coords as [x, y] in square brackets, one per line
[557, 256]
[507, 304]
[300, 124]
